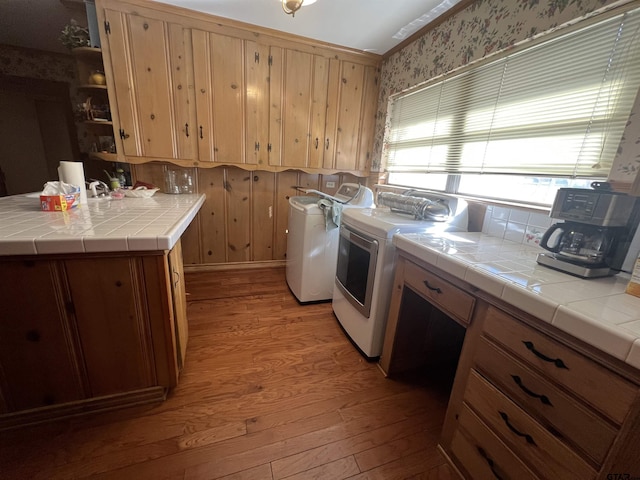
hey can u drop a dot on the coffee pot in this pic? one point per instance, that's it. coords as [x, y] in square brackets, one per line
[595, 237]
[579, 243]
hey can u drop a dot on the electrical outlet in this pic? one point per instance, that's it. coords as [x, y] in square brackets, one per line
[330, 184]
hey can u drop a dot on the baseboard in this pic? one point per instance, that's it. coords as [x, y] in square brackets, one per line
[82, 407]
[213, 267]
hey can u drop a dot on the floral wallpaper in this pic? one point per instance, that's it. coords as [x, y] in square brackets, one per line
[22, 62]
[485, 28]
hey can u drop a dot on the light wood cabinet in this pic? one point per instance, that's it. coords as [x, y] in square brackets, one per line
[179, 302]
[146, 60]
[527, 401]
[218, 63]
[89, 331]
[195, 91]
[554, 408]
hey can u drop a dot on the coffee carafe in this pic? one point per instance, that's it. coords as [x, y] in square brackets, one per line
[596, 230]
[581, 244]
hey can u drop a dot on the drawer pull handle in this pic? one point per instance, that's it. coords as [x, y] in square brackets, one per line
[543, 398]
[556, 361]
[526, 436]
[434, 289]
[490, 462]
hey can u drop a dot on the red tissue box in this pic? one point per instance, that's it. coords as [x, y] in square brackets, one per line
[59, 203]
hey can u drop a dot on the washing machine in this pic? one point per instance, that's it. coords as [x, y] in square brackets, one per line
[312, 240]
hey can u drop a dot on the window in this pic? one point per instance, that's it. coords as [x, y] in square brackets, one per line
[551, 113]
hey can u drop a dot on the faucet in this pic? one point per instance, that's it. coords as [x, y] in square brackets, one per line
[97, 184]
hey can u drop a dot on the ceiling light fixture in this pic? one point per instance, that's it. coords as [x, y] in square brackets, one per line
[290, 7]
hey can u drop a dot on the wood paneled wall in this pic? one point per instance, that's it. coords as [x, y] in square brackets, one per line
[245, 215]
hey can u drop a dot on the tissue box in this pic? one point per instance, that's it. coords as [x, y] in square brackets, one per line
[59, 203]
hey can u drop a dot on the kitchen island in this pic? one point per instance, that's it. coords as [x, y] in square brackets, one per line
[94, 310]
[547, 383]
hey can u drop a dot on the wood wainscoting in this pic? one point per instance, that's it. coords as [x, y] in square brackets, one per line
[270, 389]
[245, 215]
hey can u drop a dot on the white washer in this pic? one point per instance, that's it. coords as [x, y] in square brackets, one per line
[312, 249]
[366, 264]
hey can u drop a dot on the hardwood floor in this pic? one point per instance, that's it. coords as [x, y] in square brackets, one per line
[271, 389]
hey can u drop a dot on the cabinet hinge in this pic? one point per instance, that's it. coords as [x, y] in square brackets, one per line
[269, 147]
[107, 27]
[256, 57]
[270, 60]
[257, 146]
[123, 135]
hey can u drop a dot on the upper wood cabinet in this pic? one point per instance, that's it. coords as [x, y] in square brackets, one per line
[218, 64]
[193, 89]
[148, 65]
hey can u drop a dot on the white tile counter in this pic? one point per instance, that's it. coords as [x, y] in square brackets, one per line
[103, 225]
[596, 311]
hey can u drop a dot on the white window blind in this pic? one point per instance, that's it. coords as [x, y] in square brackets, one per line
[557, 108]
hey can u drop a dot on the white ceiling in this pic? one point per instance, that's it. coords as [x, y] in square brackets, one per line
[372, 25]
[360, 24]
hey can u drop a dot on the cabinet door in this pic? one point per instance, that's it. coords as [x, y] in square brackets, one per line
[257, 103]
[38, 354]
[109, 300]
[219, 83]
[179, 302]
[140, 62]
[181, 64]
[296, 108]
[349, 107]
[368, 118]
[318, 121]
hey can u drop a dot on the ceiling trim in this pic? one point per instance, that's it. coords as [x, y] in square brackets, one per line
[430, 26]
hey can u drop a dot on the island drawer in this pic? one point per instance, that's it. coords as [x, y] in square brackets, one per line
[605, 391]
[451, 299]
[568, 418]
[531, 442]
[482, 454]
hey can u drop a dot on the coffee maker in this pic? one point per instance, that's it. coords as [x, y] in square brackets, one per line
[594, 239]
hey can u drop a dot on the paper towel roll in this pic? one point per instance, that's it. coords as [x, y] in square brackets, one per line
[73, 173]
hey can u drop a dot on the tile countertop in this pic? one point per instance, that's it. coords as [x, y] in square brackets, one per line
[103, 225]
[596, 311]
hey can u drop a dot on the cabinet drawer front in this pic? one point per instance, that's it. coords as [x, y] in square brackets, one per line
[451, 299]
[578, 425]
[528, 439]
[482, 454]
[604, 390]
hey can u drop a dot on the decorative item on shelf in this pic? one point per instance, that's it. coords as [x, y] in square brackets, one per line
[97, 112]
[73, 35]
[290, 7]
[97, 78]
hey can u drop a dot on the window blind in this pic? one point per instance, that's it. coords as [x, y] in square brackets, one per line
[557, 108]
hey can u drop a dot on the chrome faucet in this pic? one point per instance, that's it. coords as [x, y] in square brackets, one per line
[98, 188]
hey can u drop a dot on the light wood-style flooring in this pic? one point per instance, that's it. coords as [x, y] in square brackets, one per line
[271, 389]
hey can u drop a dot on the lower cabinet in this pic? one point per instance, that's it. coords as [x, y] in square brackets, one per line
[528, 401]
[85, 331]
[39, 351]
[527, 404]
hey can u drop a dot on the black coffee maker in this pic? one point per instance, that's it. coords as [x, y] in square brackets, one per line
[594, 238]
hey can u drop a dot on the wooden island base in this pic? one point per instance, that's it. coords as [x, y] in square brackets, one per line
[89, 332]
